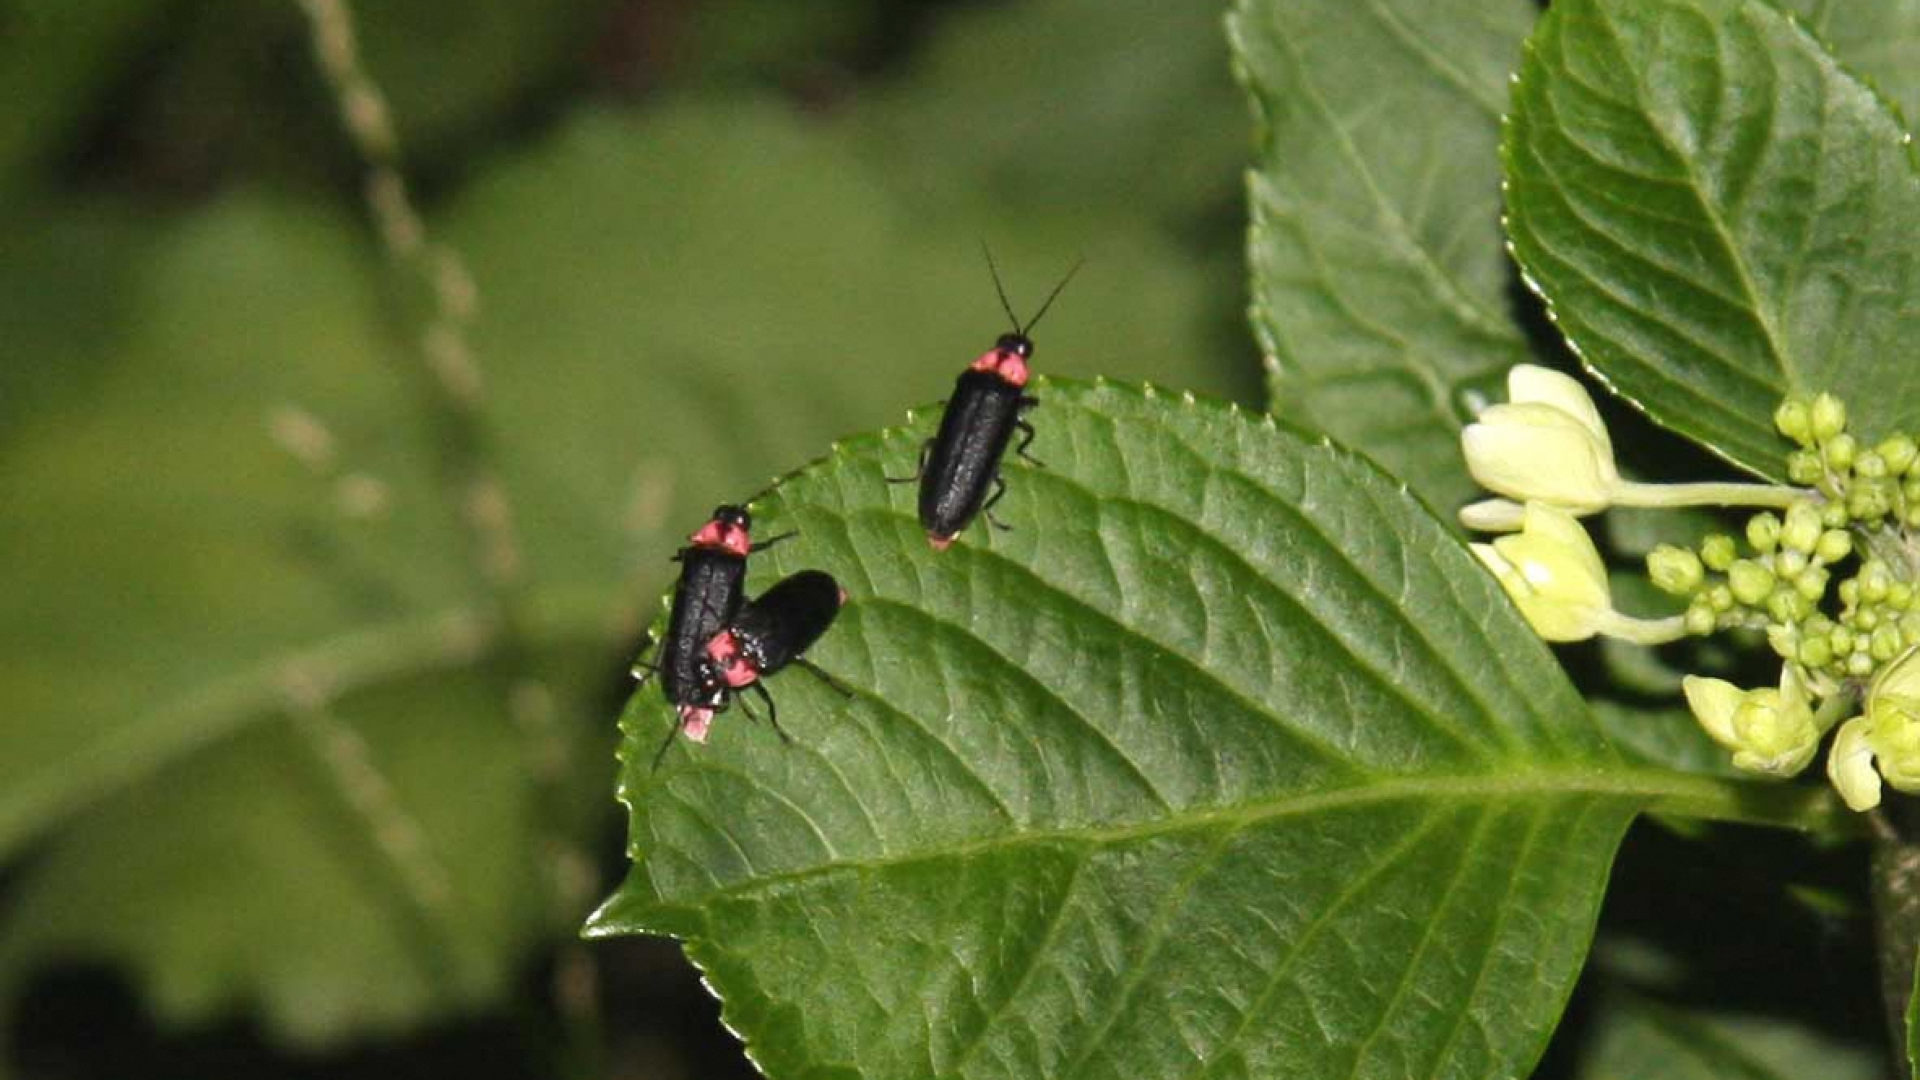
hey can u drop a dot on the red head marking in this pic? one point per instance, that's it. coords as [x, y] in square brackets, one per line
[940, 543]
[725, 536]
[725, 651]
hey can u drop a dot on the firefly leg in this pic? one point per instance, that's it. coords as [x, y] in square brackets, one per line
[773, 714]
[661, 754]
[925, 449]
[647, 666]
[999, 489]
[1026, 439]
[772, 540]
[821, 673]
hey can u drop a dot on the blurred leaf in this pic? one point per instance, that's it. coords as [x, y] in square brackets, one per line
[1380, 285]
[56, 60]
[178, 575]
[1642, 1038]
[1066, 105]
[1709, 251]
[1187, 769]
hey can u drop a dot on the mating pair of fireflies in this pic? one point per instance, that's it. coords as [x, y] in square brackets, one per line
[719, 644]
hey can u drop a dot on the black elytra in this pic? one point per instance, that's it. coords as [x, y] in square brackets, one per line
[960, 466]
[769, 632]
[713, 572]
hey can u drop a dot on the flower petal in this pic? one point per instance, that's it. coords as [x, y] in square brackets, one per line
[1714, 701]
[1533, 383]
[1850, 766]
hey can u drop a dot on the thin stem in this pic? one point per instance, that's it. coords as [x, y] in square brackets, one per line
[1776, 496]
[1642, 631]
[453, 393]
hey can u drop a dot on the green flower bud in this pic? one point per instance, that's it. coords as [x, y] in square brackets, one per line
[1910, 627]
[1815, 652]
[1886, 643]
[1875, 581]
[1869, 500]
[1816, 624]
[1700, 619]
[1827, 416]
[1802, 529]
[1833, 514]
[1719, 597]
[1763, 532]
[1865, 619]
[1911, 491]
[1850, 592]
[1898, 452]
[1839, 452]
[1794, 420]
[1900, 595]
[1788, 606]
[1841, 640]
[1860, 665]
[1674, 570]
[1834, 545]
[1791, 563]
[1784, 640]
[1750, 582]
[1870, 465]
[1805, 467]
[1718, 552]
[1811, 584]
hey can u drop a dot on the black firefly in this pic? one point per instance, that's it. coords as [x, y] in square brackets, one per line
[770, 632]
[713, 571]
[960, 465]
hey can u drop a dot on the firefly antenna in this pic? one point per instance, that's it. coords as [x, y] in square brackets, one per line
[1074, 269]
[997, 287]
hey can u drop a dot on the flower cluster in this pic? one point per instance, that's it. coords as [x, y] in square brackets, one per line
[1826, 571]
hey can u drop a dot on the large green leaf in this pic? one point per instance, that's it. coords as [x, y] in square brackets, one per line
[1718, 214]
[1381, 291]
[672, 309]
[1226, 759]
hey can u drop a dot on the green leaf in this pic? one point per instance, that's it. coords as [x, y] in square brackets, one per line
[1879, 41]
[54, 61]
[1069, 105]
[1226, 756]
[672, 309]
[1381, 291]
[1718, 214]
[177, 574]
[1646, 1039]
[1663, 738]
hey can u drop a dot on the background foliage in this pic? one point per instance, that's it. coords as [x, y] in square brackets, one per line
[272, 795]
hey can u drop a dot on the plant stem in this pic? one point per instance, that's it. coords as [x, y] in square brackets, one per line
[1896, 911]
[1634, 493]
[1642, 631]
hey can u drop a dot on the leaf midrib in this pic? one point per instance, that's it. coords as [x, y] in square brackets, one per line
[1684, 794]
